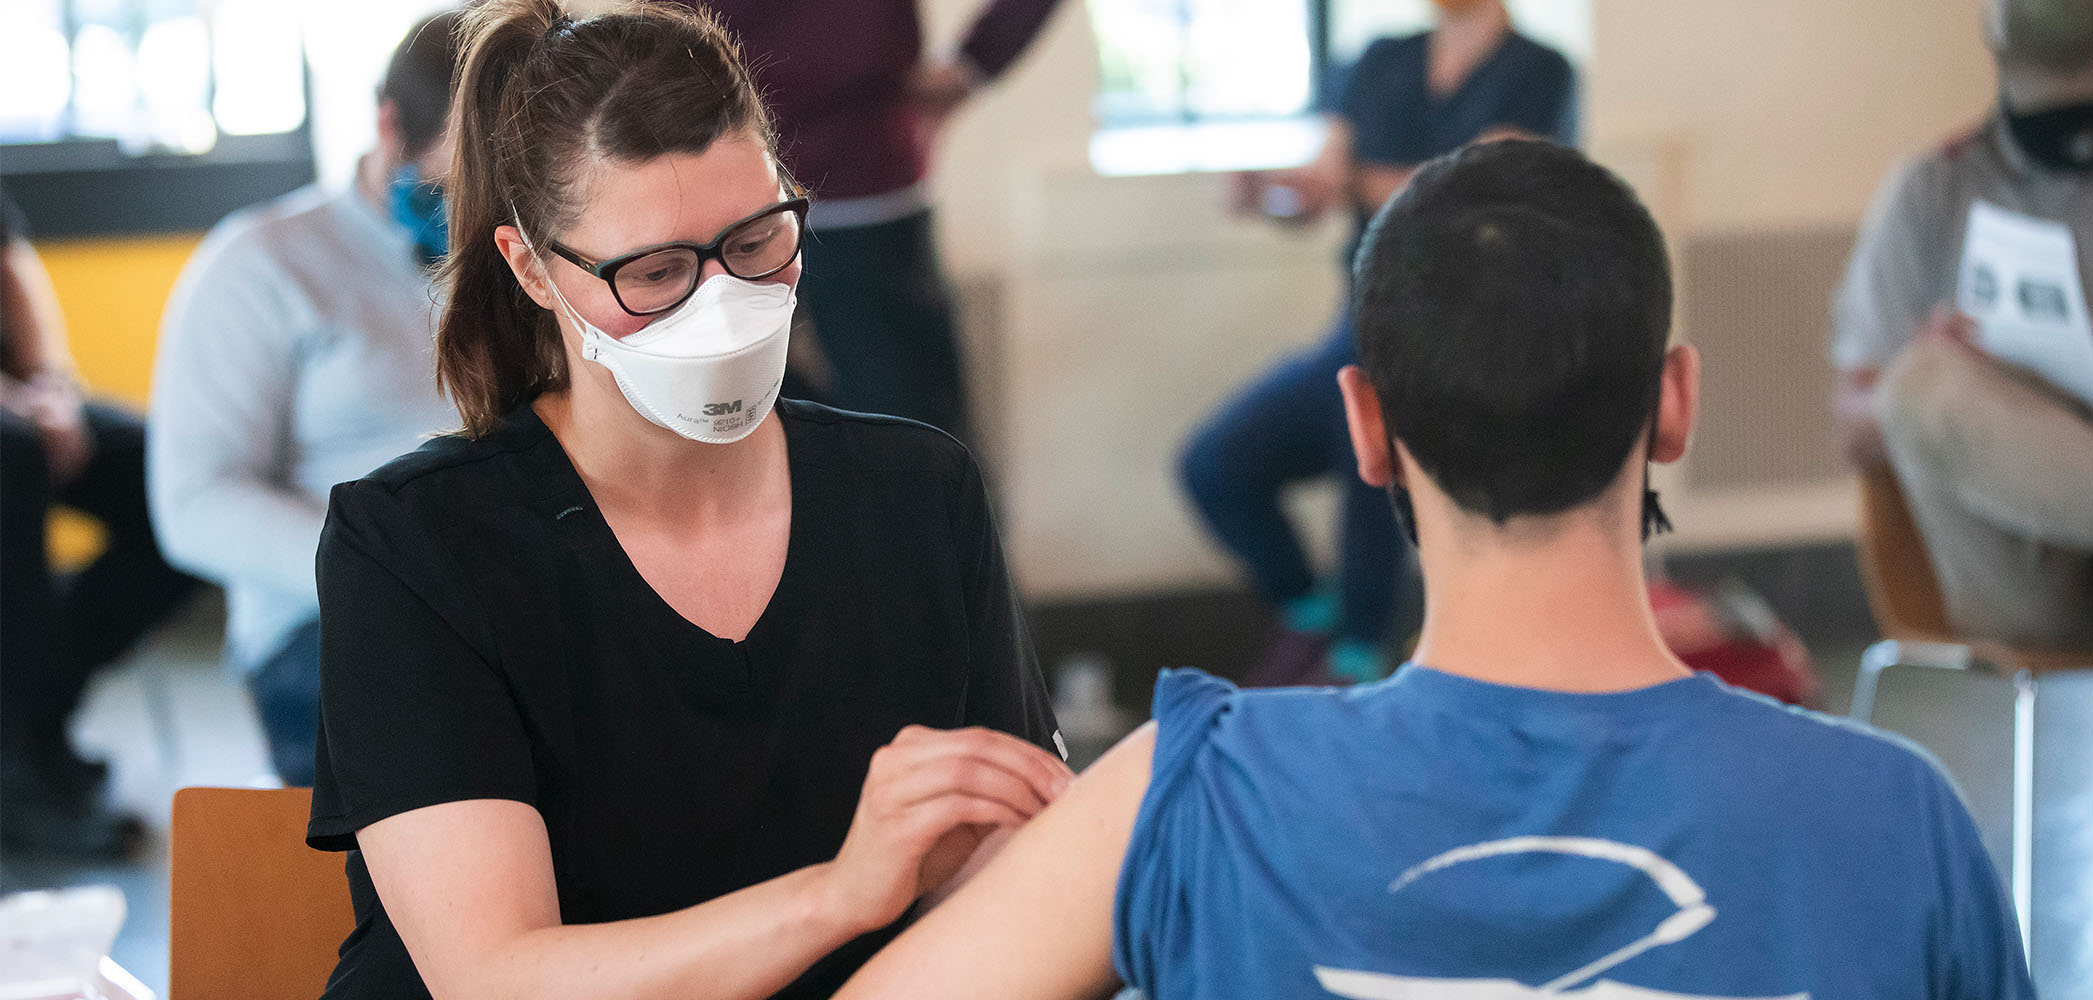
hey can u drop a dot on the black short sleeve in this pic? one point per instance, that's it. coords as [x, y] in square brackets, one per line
[1006, 690]
[411, 713]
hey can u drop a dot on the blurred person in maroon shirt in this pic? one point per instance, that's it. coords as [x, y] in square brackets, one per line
[858, 105]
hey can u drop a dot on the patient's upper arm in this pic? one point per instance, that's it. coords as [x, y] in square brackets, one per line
[1037, 922]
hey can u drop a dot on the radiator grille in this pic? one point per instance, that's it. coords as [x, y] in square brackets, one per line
[1758, 305]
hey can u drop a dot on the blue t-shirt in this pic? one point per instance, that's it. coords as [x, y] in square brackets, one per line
[1396, 120]
[1435, 837]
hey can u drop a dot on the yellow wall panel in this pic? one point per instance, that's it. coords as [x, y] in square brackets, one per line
[113, 292]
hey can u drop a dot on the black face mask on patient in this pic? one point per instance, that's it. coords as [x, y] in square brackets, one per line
[2057, 138]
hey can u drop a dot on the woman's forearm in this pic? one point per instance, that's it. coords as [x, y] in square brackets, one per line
[470, 886]
[742, 946]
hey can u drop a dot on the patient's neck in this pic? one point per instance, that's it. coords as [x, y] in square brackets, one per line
[1557, 603]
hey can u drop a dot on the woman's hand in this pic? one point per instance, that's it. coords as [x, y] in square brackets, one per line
[930, 797]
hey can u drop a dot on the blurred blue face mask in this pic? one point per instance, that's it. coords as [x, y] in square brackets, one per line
[418, 207]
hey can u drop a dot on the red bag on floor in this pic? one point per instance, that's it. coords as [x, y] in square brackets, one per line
[1732, 634]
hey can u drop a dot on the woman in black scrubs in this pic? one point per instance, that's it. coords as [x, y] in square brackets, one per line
[649, 683]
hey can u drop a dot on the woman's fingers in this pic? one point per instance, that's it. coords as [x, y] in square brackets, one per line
[1044, 770]
[919, 789]
[983, 763]
[969, 775]
[933, 818]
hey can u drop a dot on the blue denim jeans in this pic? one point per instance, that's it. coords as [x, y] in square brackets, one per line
[1286, 427]
[286, 692]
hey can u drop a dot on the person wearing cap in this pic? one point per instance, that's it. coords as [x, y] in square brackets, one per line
[295, 354]
[1995, 461]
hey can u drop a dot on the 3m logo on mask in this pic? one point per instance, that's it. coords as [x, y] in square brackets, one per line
[725, 418]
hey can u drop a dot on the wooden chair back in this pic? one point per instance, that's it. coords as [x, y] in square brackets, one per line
[1902, 590]
[1905, 595]
[254, 912]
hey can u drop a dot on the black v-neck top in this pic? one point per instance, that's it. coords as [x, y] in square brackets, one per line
[484, 635]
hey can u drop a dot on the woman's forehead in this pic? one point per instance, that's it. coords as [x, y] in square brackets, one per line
[675, 196]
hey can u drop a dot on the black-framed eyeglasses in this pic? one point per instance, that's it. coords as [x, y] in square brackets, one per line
[656, 279]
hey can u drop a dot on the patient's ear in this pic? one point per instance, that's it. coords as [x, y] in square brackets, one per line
[1678, 403]
[1362, 415]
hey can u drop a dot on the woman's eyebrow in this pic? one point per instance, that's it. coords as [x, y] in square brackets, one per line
[716, 235]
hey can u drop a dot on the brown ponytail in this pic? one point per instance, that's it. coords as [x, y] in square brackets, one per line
[538, 96]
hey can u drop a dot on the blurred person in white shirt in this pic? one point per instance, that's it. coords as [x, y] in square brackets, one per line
[296, 354]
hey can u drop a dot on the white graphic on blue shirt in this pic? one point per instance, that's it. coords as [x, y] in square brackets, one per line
[1694, 912]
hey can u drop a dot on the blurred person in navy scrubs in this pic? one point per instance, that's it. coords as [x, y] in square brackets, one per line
[1405, 101]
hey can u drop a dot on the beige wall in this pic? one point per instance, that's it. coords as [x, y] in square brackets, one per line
[1128, 307]
[1037, 116]
[1787, 111]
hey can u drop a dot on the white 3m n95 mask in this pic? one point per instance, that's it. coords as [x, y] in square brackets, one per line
[710, 370]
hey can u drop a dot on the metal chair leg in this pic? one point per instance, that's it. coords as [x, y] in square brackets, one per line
[2025, 689]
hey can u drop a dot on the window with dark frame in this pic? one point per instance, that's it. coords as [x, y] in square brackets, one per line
[1164, 62]
[124, 116]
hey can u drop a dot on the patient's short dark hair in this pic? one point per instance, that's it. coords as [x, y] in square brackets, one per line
[1513, 304]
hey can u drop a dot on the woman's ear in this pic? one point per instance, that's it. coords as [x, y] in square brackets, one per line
[523, 263]
[1370, 437]
[1678, 403]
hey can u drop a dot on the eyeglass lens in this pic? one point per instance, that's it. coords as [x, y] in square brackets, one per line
[757, 248]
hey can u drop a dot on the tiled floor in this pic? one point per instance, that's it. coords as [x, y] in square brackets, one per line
[170, 716]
